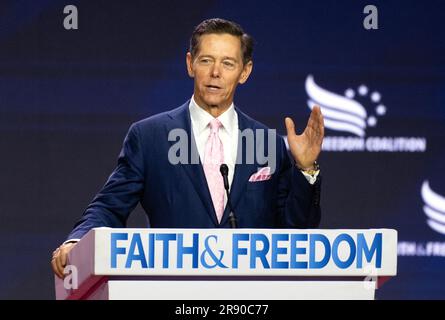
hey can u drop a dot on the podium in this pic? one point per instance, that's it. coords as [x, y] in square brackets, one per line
[229, 264]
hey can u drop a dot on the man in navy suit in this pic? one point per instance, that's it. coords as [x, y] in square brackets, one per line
[186, 190]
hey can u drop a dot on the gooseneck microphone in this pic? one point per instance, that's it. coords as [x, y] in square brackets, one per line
[224, 169]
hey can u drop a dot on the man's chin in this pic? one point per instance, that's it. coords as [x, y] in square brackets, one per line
[213, 103]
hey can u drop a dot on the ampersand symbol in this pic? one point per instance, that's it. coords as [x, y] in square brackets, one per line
[211, 254]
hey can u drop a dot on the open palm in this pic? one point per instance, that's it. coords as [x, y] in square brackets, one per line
[306, 147]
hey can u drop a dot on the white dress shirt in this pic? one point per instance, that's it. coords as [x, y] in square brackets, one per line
[228, 133]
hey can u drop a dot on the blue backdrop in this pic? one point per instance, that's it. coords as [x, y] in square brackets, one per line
[67, 98]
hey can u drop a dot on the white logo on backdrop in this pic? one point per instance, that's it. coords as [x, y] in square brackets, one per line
[434, 208]
[345, 114]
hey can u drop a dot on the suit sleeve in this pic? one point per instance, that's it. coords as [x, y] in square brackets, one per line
[298, 204]
[120, 194]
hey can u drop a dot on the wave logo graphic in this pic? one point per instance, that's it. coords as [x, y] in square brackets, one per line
[434, 208]
[343, 113]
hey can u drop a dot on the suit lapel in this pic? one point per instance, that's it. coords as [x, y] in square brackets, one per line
[180, 119]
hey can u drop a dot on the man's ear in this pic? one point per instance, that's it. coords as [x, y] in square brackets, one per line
[246, 72]
[189, 62]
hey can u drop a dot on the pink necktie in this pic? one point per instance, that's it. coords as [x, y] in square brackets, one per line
[213, 158]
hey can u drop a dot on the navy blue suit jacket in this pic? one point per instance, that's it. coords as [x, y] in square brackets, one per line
[177, 196]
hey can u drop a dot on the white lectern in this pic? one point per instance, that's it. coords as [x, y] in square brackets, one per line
[229, 264]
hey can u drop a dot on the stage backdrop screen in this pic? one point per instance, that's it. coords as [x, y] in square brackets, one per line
[68, 97]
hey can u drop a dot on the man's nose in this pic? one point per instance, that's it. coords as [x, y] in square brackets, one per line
[216, 72]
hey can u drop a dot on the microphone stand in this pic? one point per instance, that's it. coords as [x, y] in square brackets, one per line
[224, 169]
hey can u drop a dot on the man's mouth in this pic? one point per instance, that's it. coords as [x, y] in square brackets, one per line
[213, 87]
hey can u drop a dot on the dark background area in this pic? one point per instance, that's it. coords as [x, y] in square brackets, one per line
[68, 97]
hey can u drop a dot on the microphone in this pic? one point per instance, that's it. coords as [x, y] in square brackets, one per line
[224, 169]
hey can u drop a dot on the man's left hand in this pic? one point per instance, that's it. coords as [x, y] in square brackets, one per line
[306, 147]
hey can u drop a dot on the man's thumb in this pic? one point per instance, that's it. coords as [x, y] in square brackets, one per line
[290, 126]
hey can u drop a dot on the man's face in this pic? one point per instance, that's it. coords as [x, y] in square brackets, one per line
[217, 69]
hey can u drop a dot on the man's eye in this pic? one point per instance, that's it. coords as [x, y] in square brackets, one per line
[229, 64]
[205, 60]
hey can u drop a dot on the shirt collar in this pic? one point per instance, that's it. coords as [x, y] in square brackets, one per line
[202, 118]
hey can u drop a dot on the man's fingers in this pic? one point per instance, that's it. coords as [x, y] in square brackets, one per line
[59, 265]
[56, 268]
[321, 125]
[317, 109]
[63, 257]
[54, 264]
[313, 118]
[316, 114]
[316, 122]
[60, 259]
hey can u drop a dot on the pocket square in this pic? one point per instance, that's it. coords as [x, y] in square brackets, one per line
[261, 175]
